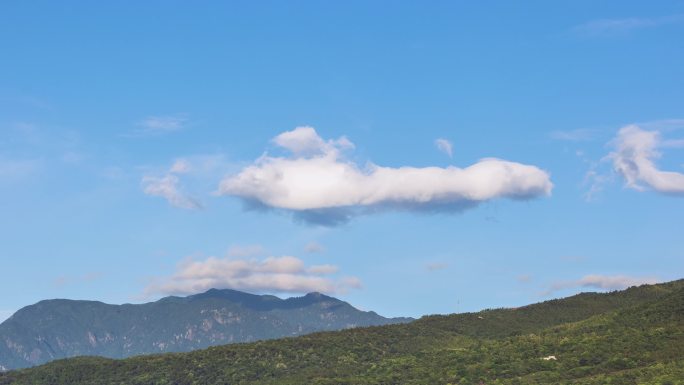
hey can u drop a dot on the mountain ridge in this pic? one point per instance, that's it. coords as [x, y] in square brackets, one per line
[632, 336]
[61, 328]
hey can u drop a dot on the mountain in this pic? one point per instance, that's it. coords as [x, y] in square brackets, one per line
[633, 336]
[59, 328]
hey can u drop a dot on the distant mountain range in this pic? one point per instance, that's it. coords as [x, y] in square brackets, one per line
[633, 336]
[60, 328]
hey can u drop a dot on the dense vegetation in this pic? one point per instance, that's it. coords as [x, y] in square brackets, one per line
[634, 336]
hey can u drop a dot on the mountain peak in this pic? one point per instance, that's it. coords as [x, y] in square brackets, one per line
[54, 329]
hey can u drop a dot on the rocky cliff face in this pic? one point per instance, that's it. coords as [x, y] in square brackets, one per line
[56, 329]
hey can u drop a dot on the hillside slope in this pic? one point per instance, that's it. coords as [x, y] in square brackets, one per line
[628, 337]
[56, 329]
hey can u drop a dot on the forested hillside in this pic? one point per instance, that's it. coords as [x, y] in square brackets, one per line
[628, 337]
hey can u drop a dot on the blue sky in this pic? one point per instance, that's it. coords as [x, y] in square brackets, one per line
[131, 135]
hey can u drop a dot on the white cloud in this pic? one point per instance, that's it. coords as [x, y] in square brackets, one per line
[633, 158]
[273, 275]
[305, 141]
[162, 124]
[603, 282]
[168, 187]
[180, 166]
[314, 247]
[322, 186]
[445, 146]
[617, 27]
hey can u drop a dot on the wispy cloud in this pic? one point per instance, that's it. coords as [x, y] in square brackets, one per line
[162, 124]
[158, 125]
[576, 135]
[435, 266]
[634, 155]
[180, 166]
[594, 179]
[602, 282]
[285, 274]
[314, 247]
[245, 251]
[524, 278]
[662, 125]
[445, 146]
[16, 168]
[168, 187]
[622, 26]
[320, 185]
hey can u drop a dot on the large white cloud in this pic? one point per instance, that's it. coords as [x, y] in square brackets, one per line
[633, 158]
[273, 275]
[317, 181]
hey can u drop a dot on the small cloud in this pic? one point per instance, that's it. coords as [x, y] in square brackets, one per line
[634, 159]
[577, 135]
[314, 247]
[435, 266]
[180, 166]
[594, 178]
[163, 124]
[524, 278]
[273, 275]
[596, 182]
[304, 141]
[445, 146]
[318, 185]
[621, 27]
[602, 282]
[245, 251]
[672, 143]
[662, 125]
[168, 186]
[158, 125]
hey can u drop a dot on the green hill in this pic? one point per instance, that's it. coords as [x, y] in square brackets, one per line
[634, 336]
